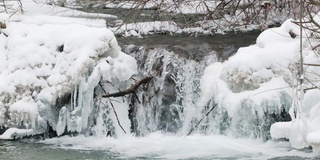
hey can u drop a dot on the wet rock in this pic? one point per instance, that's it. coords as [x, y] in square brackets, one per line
[130, 49]
[168, 91]
[196, 53]
[228, 52]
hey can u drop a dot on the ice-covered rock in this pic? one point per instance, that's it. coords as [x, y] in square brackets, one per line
[257, 75]
[261, 81]
[47, 58]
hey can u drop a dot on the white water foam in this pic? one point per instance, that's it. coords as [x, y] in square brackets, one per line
[158, 145]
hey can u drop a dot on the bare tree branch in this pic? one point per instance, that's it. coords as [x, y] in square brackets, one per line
[129, 90]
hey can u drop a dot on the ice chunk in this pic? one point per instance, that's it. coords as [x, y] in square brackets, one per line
[313, 139]
[297, 134]
[24, 111]
[280, 130]
[14, 133]
[62, 121]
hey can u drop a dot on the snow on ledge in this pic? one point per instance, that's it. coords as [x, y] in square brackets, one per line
[146, 28]
[13, 133]
[280, 130]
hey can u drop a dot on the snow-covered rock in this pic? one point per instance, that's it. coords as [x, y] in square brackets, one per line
[257, 75]
[44, 58]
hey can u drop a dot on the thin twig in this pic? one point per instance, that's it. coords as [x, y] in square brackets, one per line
[4, 6]
[192, 129]
[270, 90]
[312, 83]
[114, 111]
[310, 64]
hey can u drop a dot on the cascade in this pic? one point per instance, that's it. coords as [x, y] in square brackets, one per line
[169, 102]
[172, 102]
[68, 94]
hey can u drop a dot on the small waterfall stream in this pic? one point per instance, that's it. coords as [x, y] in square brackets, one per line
[170, 103]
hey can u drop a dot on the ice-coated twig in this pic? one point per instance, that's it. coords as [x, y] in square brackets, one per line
[192, 129]
[114, 111]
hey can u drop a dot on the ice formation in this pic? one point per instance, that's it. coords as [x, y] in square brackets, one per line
[44, 59]
[258, 76]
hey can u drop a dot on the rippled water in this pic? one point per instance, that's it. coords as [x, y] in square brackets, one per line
[17, 150]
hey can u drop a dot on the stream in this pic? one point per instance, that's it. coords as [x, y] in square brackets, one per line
[159, 128]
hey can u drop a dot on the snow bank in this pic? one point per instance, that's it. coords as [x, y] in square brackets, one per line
[45, 58]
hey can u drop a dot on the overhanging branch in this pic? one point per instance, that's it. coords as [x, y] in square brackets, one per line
[129, 90]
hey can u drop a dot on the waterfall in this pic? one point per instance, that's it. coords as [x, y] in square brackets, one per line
[171, 102]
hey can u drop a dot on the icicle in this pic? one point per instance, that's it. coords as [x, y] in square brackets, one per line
[62, 121]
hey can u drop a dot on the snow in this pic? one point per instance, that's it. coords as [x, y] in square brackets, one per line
[33, 8]
[146, 28]
[13, 133]
[280, 130]
[263, 72]
[313, 139]
[45, 57]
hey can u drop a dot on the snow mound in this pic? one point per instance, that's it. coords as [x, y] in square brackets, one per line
[45, 58]
[261, 80]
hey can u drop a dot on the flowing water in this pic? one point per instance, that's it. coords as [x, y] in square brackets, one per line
[155, 146]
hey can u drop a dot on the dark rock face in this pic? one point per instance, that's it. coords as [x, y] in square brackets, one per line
[2, 129]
